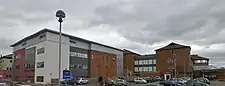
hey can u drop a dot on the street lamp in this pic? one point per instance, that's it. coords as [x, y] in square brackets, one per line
[60, 15]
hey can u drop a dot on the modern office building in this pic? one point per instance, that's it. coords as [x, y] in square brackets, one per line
[36, 57]
[145, 65]
[5, 66]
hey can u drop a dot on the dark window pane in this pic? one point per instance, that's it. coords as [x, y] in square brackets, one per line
[40, 78]
[40, 64]
[40, 50]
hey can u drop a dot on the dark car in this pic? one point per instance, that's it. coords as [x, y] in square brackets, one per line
[157, 78]
[70, 82]
[204, 80]
[153, 84]
[200, 84]
[150, 79]
[170, 83]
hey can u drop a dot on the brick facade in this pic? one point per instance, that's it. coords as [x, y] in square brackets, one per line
[128, 62]
[102, 64]
[182, 56]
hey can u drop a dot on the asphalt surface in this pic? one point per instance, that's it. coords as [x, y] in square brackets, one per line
[213, 83]
[96, 84]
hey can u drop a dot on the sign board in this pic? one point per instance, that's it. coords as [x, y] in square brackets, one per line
[66, 74]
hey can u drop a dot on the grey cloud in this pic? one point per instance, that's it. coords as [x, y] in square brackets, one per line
[141, 22]
[175, 25]
[5, 47]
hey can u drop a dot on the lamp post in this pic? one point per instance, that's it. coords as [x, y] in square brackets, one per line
[60, 15]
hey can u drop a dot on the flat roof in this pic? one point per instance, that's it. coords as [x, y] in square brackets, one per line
[63, 34]
[129, 51]
[197, 57]
[7, 56]
[149, 56]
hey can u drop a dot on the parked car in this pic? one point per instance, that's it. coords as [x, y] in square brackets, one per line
[63, 83]
[140, 80]
[204, 80]
[149, 79]
[81, 81]
[200, 84]
[166, 83]
[153, 84]
[120, 82]
[70, 82]
[178, 81]
[185, 79]
[3, 84]
[109, 82]
[157, 78]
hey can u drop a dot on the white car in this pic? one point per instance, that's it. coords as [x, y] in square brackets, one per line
[140, 81]
[3, 84]
[81, 81]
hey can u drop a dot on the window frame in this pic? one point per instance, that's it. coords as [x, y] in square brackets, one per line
[136, 69]
[136, 62]
[40, 50]
[140, 62]
[140, 69]
[38, 77]
[40, 66]
[150, 68]
[153, 61]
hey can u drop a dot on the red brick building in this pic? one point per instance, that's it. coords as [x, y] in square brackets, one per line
[128, 61]
[5, 67]
[102, 64]
[174, 54]
[22, 71]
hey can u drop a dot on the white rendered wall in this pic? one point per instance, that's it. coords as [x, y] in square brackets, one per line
[51, 57]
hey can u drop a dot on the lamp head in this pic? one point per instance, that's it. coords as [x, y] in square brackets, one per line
[60, 14]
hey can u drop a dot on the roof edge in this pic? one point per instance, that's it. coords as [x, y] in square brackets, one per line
[174, 48]
[64, 34]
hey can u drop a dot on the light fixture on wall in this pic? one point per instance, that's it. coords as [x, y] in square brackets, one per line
[113, 59]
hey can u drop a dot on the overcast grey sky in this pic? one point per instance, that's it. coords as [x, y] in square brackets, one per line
[138, 25]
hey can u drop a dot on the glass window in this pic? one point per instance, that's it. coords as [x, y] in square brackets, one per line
[197, 61]
[150, 68]
[149, 61]
[145, 61]
[40, 50]
[24, 43]
[136, 69]
[40, 78]
[40, 64]
[17, 56]
[204, 61]
[135, 62]
[140, 68]
[154, 61]
[154, 68]
[85, 67]
[145, 69]
[42, 36]
[140, 62]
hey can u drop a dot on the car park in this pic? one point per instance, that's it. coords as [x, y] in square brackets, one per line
[120, 82]
[81, 81]
[139, 80]
[204, 80]
[3, 84]
[153, 84]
